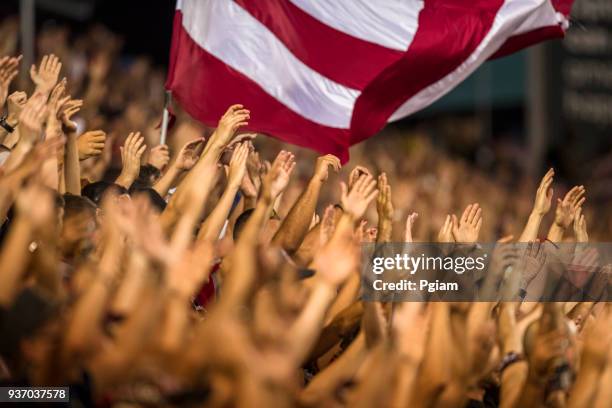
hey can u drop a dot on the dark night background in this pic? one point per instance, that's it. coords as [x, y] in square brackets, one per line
[146, 25]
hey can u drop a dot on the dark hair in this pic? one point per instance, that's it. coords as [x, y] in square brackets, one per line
[154, 198]
[241, 222]
[147, 177]
[95, 191]
[30, 311]
[74, 204]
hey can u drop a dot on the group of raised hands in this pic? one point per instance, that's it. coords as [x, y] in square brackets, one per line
[189, 276]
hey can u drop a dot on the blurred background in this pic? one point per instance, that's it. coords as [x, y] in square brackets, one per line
[550, 105]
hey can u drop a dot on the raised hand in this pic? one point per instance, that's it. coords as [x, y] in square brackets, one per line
[277, 178]
[237, 166]
[159, 157]
[91, 144]
[328, 225]
[131, 152]
[445, 234]
[357, 172]
[467, 228]
[31, 120]
[189, 155]
[384, 206]
[15, 102]
[35, 203]
[9, 68]
[410, 220]
[46, 75]
[336, 260]
[235, 118]
[580, 226]
[544, 194]
[67, 111]
[356, 201]
[531, 263]
[566, 208]
[323, 164]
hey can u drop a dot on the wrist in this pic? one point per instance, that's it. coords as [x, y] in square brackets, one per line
[124, 181]
[12, 120]
[537, 214]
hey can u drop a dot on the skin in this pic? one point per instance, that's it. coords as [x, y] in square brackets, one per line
[126, 313]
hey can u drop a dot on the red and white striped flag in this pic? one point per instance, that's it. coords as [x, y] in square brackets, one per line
[327, 74]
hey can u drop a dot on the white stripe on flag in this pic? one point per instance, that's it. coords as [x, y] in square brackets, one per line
[511, 17]
[545, 15]
[231, 34]
[389, 23]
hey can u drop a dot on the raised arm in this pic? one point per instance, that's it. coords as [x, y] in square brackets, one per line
[384, 208]
[185, 160]
[565, 212]
[211, 228]
[295, 226]
[45, 76]
[235, 118]
[131, 152]
[241, 278]
[72, 167]
[34, 208]
[541, 206]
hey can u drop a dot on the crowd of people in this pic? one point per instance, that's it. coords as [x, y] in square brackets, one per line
[219, 271]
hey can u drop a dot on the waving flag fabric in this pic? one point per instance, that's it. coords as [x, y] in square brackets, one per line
[327, 74]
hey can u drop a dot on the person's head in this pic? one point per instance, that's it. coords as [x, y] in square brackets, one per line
[30, 330]
[96, 191]
[78, 225]
[269, 229]
[148, 175]
[156, 201]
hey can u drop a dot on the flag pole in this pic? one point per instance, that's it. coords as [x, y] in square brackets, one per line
[165, 117]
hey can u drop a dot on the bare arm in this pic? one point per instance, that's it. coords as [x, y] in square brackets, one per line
[235, 118]
[540, 208]
[565, 213]
[211, 228]
[295, 226]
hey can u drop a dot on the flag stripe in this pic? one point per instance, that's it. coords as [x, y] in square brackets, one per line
[206, 93]
[231, 34]
[389, 23]
[338, 56]
[328, 74]
[447, 36]
[510, 19]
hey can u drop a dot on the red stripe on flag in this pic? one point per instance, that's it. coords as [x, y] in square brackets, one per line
[563, 6]
[447, 36]
[205, 87]
[518, 42]
[338, 56]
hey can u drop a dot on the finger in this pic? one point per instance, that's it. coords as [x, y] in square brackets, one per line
[371, 197]
[466, 214]
[43, 63]
[477, 216]
[369, 188]
[579, 203]
[343, 189]
[361, 180]
[97, 145]
[141, 151]
[234, 107]
[97, 139]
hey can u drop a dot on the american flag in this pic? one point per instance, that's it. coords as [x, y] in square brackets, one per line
[326, 74]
